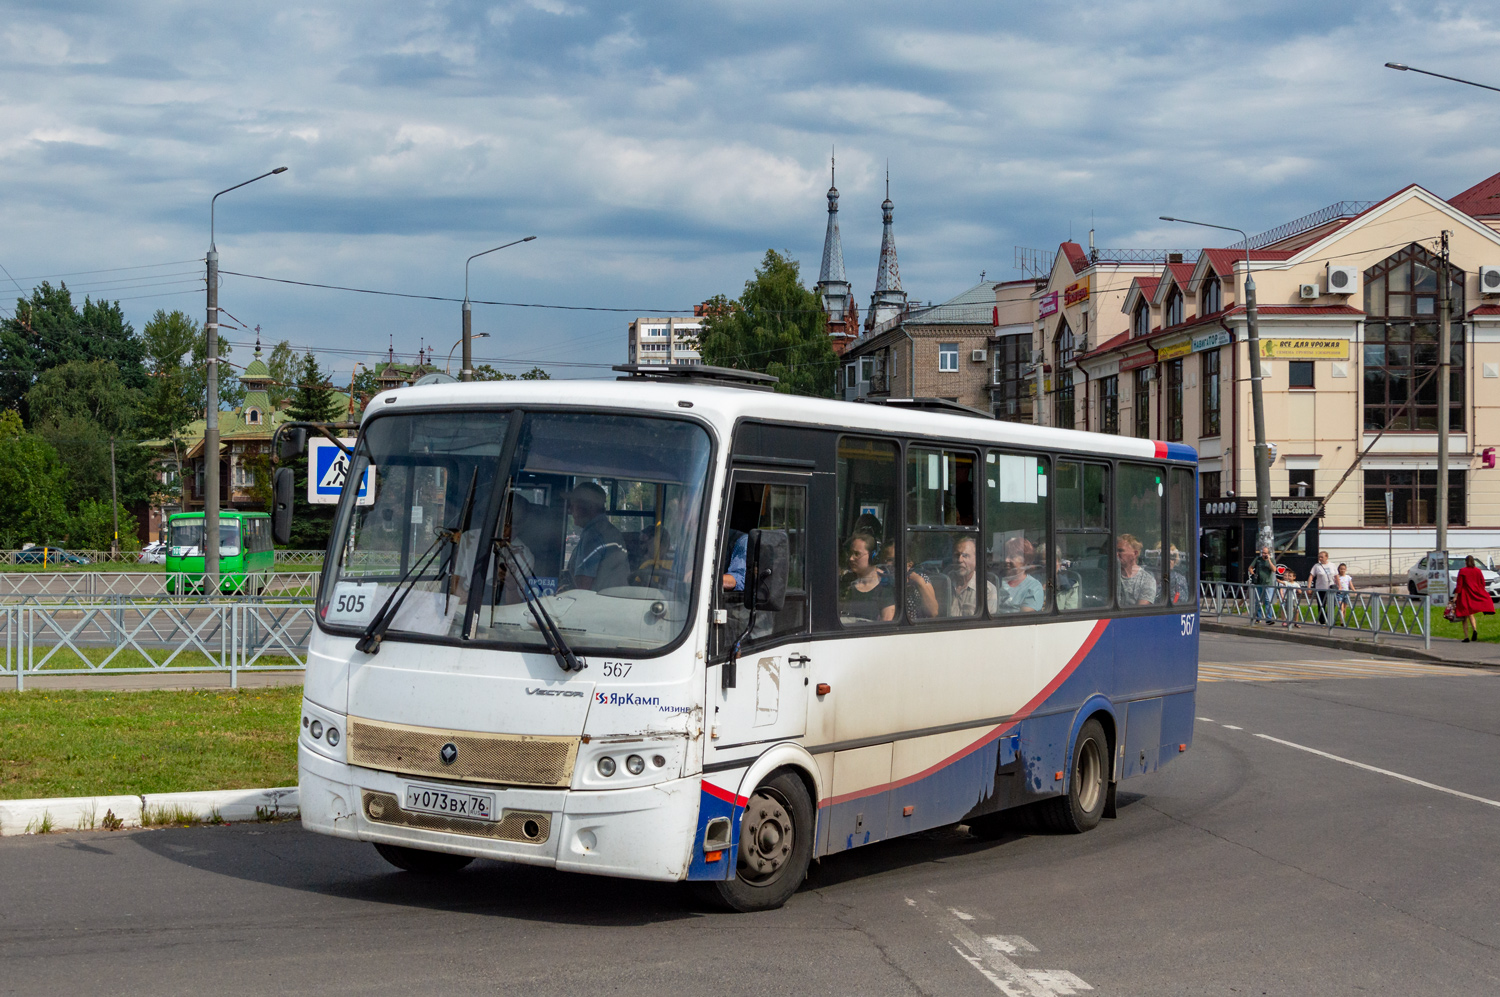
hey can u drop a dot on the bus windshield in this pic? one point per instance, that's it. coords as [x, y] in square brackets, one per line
[597, 514]
[186, 537]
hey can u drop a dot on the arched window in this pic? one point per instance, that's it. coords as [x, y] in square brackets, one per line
[1066, 350]
[1401, 343]
[252, 416]
[1213, 294]
[1172, 313]
[1140, 322]
[1065, 345]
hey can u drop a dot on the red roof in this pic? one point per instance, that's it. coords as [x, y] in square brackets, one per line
[1108, 344]
[1077, 258]
[1182, 273]
[1309, 310]
[1485, 310]
[1223, 260]
[1481, 200]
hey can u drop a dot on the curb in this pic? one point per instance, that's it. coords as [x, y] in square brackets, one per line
[86, 813]
[1343, 644]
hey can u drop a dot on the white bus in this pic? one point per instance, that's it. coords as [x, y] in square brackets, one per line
[675, 628]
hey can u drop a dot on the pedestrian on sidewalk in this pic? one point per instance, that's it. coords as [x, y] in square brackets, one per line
[1321, 578]
[1290, 589]
[1262, 577]
[1344, 582]
[1470, 598]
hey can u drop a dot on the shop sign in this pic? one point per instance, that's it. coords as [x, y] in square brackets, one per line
[1048, 305]
[1139, 360]
[1304, 349]
[1211, 341]
[1303, 507]
[1076, 292]
[1174, 351]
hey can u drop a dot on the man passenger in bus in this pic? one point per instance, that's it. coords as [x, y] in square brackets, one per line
[921, 597]
[1019, 591]
[966, 580]
[1137, 586]
[865, 593]
[733, 578]
[599, 561]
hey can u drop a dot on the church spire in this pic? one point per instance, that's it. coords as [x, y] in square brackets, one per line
[889, 300]
[833, 246]
[834, 292]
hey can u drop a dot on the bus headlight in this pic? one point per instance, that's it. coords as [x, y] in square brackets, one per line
[606, 766]
[635, 764]
[333, 736]
[316, 729]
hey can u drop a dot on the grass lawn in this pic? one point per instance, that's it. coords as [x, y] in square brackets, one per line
[1489, 627]
[85, 743]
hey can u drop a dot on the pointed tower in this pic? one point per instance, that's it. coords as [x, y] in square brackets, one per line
[841, 314]
[257, 378]
[889, 300]
[391, 376]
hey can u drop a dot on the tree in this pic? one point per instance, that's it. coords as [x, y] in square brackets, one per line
[167, 406]
[78, 408]
[47, 331]
[484, 372]
[775, 327]
[32, 486]
[283, 366]
[231, 391]
[313, 400]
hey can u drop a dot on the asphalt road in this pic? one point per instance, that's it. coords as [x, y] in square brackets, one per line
[1249, 866]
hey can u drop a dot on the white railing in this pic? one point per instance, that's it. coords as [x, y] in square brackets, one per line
[1373, 613]
[134, 638]
[50, 587]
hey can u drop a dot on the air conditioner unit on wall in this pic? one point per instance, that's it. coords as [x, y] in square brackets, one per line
[1343, 280]
[1307, 292]
[977, 356]
[1489, 280]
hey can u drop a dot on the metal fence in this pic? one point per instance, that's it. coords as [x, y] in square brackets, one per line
[144, 637]
[49, 587]
[24, 556]
[1373, 613]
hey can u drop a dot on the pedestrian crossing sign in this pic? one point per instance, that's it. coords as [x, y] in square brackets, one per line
[327, 468]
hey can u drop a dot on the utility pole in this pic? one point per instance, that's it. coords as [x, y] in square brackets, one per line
[1444, 391]
[466, 373]
[114, 500]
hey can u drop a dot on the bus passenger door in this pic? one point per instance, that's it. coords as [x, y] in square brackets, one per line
[761, 695]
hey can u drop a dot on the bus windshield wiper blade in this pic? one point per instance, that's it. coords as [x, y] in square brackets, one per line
[374, 632]
[566, 659]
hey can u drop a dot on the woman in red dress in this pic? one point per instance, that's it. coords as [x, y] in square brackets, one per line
[1470, 598]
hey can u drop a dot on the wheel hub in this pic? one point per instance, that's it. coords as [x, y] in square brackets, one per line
[766, 838]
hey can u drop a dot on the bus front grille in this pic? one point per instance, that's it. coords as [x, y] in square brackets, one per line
[532, 827]
[463, 756]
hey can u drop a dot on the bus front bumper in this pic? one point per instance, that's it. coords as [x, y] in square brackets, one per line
[642, 833]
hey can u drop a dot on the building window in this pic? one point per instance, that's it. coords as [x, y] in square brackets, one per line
[1174, 399]
[947, 356]
[1213, 294]
[1413, 497]
[1301, 482]
[1109, 404]
[1140, 321]
[1065, 345]
[1011, 397]
[1065, 400]
[1401, 344]
[1208, 484]
[1141, 403]
[1299, 373]
[1172, 314]
[1065, 349]
[1208, 392]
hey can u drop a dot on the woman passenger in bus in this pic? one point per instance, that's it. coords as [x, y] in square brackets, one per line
[921, 597]
[1137, 587]
[865, 593]
[1019, 591]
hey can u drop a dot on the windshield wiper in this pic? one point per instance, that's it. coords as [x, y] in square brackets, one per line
[374, 632]
[566, 659]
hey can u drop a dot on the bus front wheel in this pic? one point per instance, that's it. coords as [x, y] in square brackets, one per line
[1080, 808]
[414, 860]
[776, 842]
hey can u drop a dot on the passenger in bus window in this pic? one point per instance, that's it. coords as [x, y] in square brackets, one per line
[1137, 586]
[1019, 591]
[921, 596]
[733, 579]
[966, 580]
[600, 560]
[1181, 595]
[866, 595]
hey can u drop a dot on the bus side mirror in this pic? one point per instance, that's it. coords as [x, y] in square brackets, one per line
[282, 486]
[767, 561]
[293, 444]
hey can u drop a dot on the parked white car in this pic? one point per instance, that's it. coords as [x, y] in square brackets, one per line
[1416, 575]
[153, 553]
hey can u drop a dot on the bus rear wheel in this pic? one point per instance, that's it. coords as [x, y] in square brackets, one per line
[421, 863]
[776, 842]
[1081, 807]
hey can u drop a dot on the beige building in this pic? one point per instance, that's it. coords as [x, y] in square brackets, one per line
[664, 339]
[1348, 301]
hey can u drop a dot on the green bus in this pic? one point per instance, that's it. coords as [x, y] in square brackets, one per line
[245, 553]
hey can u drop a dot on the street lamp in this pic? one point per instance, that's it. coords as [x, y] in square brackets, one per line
[477, 335]
[211, 426]
[1427, 72]
[1265, 537]
[467, 373]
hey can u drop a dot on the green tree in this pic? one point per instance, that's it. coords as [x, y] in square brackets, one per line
[92, 527]
[32, 486]
[167, 404]
[775, 327]
[48, 330]
[283, 366]
[484, 372]
[78, 408]
[313, 400]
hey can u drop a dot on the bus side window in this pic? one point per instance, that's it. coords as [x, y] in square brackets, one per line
[1140, 496]
[1083, 561]
[765, 506]
[1015, 489]
[868, 476]
[944, 570]
[1183, 571]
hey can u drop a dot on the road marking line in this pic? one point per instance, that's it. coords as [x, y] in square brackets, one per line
[960, 914]
[1231, 727]
[1380, 771]
[1206, 720]
[1008, 978]
[1010, 944]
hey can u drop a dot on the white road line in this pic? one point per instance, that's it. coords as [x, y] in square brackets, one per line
[1380, 771]
[1231, 727]
[1207, 720]
[1008, 978]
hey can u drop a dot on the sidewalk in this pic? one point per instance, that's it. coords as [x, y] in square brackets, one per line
[1445, 650]
[130, 682]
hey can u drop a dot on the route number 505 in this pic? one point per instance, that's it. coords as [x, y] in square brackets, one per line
[1188, 622]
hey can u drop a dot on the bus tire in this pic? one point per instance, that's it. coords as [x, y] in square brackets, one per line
[775, 850]
[421, 863]
[1081, 807]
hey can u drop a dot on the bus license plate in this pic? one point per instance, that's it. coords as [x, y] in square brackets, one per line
[450, 802]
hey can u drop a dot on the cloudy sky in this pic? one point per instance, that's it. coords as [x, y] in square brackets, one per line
[656, 151]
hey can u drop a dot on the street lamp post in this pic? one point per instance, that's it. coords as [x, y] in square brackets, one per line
[1427, 72]
[1265, 536]
[211, 426]
[467, 373]
[477, 335]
